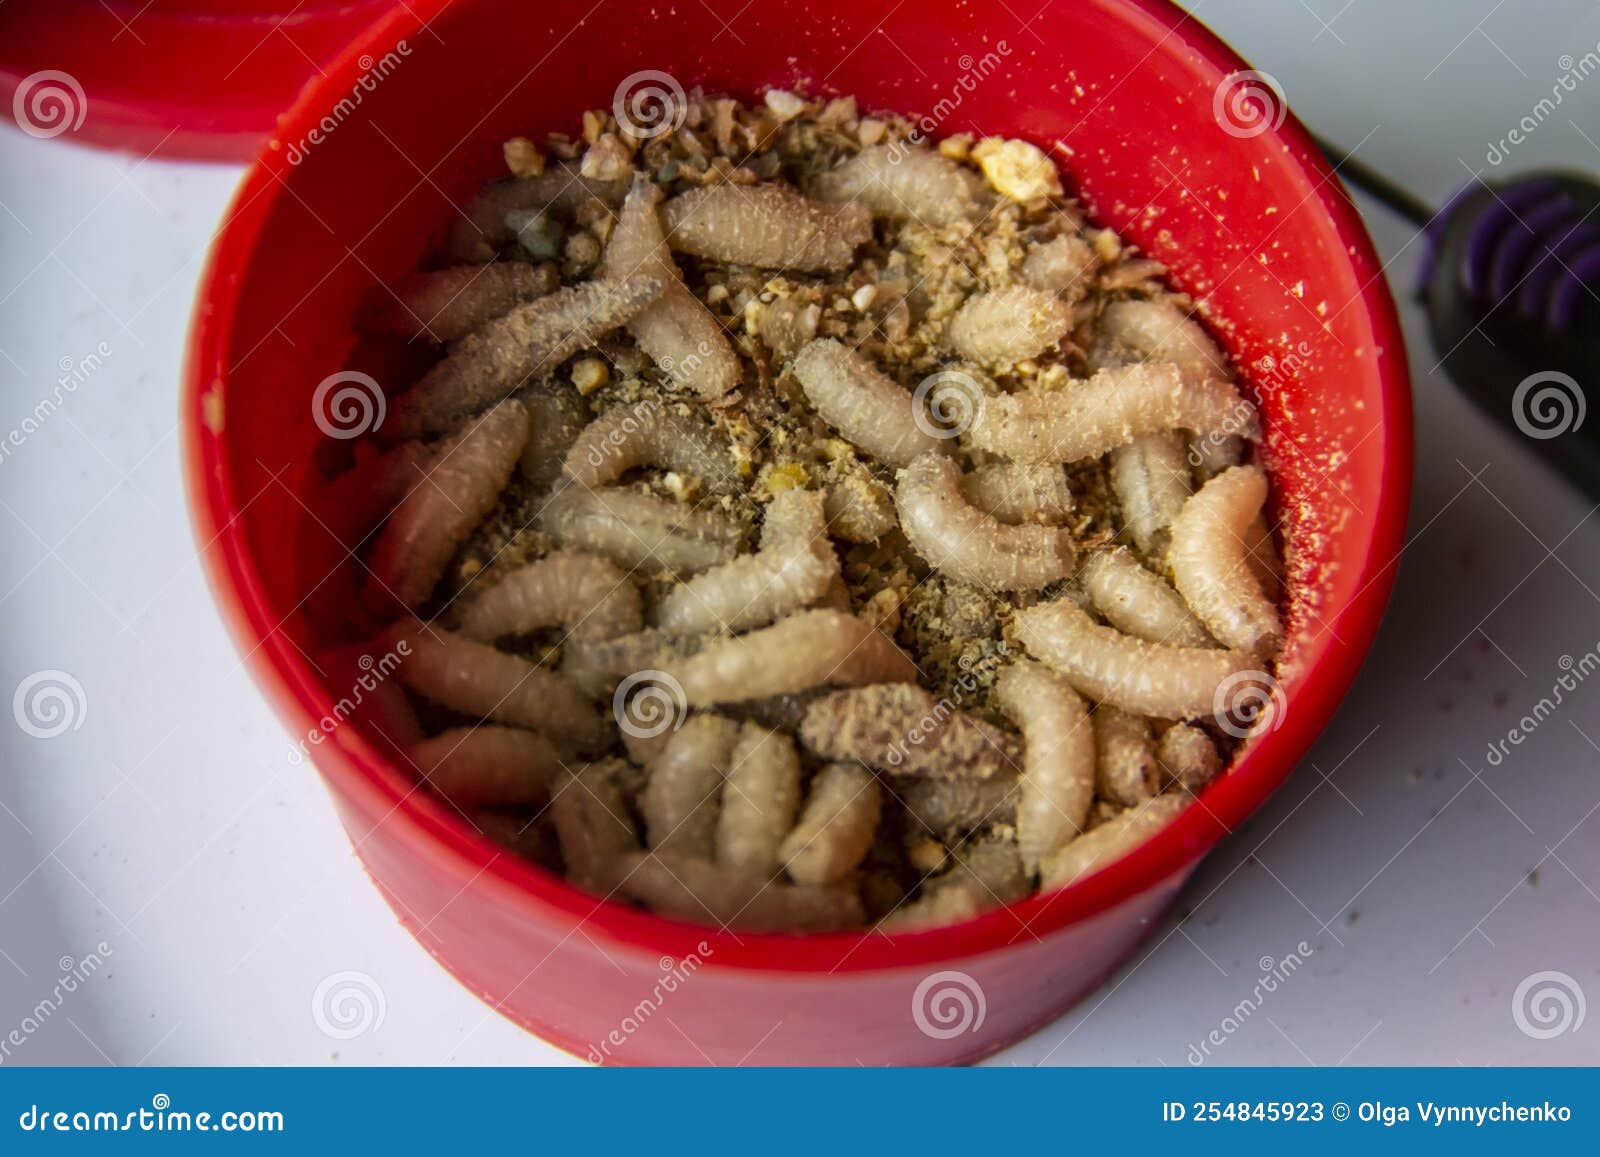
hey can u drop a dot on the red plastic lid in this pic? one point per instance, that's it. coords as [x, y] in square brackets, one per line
[196, 79]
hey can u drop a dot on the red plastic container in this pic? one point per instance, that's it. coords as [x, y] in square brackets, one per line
[1244, 212]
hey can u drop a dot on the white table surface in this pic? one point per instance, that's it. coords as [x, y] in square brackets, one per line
[169, 825]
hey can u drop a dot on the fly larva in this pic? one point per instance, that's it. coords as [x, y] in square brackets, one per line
[866, 406]
[625, 438]
[1089, 418]
[489, 363]
[1110, 841]
[1158, 331]
[769, 226]
[1057, 784]
[450, 303]
[1008, 325]
[1208, 564]
[1150, 477]
[482, 228]
[859, 509]
[898, 182]
[836, 827]
[1018, 492]
[556, 416]
[465, 477]
[596, 666]
[1130, 673]
[1138, 602]
[759, 800]
[707, 893]
[965, 543]
[592, 822]
[903, 729]
[1188, 756]
[793, 569]
[680, 799]
[641, 530]
[1062, 265]
[489, 766]
[806, 650]
[787, 324]
[951, 807]
[987, 873]
[1126, 770]
[584, 594]
[353, 503]
[678, 332]
[476, 679]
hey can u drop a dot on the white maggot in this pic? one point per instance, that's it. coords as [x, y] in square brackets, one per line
[1157, 331]
[765, 225]
[640, 530]
[1058, 768]
[1126, 769]
[866, 406]
[447, 304]
[903, 729]
[1018, 492]
[1061, 265]
[837, 826]
[489, 766]
[556, 416]
[760, 798]
[1137, 676]
[532, 339]
[1089, 418]
[465, 477]
[965, 543]
[650, 434]
[596, 666]
[482, 227]
[680, 798]
[1008, 325]
[859, 509]
[707, 893]
[945, 807]
[475, 679]
[583, 594]
[1110, 841]
[1150, 477]
[1208, 561]
[591, 819]
[676, 331]
[1188, 756]
[806, 650]
[793, 569]
[1138, 602]
[898, 182]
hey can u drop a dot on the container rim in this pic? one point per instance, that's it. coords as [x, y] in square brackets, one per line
[352, 763]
